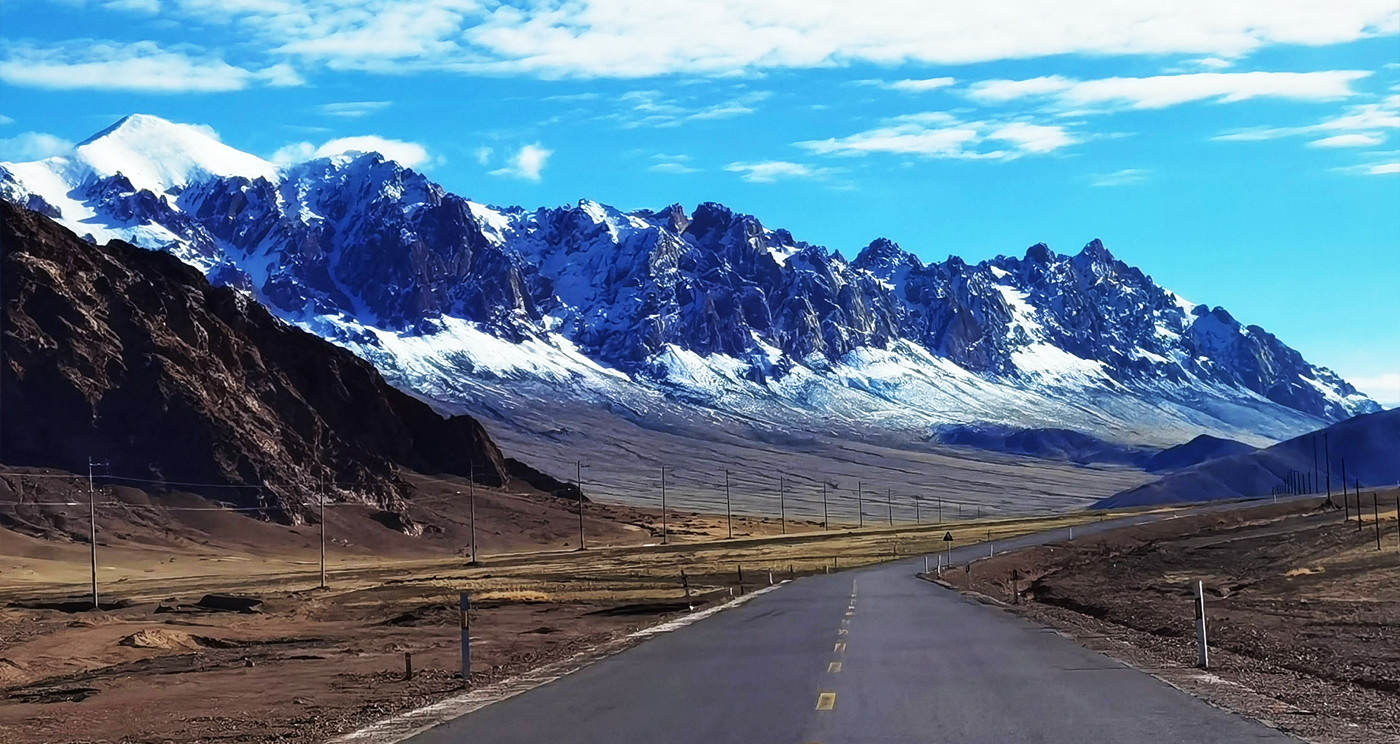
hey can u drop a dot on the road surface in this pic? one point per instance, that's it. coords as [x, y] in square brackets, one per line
[873, 655]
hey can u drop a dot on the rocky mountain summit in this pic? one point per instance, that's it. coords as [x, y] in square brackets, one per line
[707, 307]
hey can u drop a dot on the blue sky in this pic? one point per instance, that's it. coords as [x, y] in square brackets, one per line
[1246, 157]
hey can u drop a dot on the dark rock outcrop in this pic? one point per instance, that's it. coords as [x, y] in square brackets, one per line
[132, 357]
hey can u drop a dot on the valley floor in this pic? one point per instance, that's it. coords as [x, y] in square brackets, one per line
[1303, 609]
[153, 666]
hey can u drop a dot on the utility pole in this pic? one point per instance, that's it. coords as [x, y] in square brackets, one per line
[323, 533]
[1314, 472]
[940, 510]
[918, 519]
[728, 510]
[471, 504]
[578, 481]
[826, 518]
[663, 504]
[860, 505]
[1327, 454]
[92, 523]
[889, 503]
[782, 504]
[1344, 488]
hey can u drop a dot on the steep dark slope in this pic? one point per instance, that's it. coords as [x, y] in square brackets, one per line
[1366, 446]
[132, 357]
[1049, 444]
[1194, 452]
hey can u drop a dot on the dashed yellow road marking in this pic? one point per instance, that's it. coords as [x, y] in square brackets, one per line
[833, 667]
[840, 648]
[842, 631]
[826, 700]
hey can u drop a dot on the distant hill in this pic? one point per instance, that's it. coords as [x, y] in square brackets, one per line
[1368, 444]
[1198, 450]
[1048, 444]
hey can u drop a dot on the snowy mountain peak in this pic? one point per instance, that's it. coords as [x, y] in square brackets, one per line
[710, 307]
[159, 155]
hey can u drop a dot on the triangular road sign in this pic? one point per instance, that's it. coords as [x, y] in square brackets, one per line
[947, 537]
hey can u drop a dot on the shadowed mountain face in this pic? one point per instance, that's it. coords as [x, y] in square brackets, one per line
[132, 357]
[1047, 444]
[711, 307]
[1365, 448]
[1198, 450]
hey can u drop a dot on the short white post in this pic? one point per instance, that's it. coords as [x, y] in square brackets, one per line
[1071, 533]
[1202, 649]
[925, 565]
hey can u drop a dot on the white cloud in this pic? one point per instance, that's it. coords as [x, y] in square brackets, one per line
[1383, 169]
[1348, 140]
[27, 146]
[482, 154]
[6, 120]
[768, 171]
[650, 108]
[140, 67]
[353, 109]
[1124, 177]
[941, 135]
[634, 38]
[148, 7]
[920, 86]
[1370, 119]
[407, 154]
[642, 38]
[1383, 388]
[677, 164]
[526, 164]
[1162, 91]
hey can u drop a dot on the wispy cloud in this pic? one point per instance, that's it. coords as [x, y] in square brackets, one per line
[918, 85]
[32, 146]
[407, 154]
[527, 163]
[644, 38]
[1367, 117]
[1349, 140]
[1124, 177]
[676, 164]
[353, 109]
[942, 135]
[652, 108]
[1162, 91]
[139, 67]
[768, 171]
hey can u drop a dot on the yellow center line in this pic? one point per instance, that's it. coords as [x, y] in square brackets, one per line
[840, 648]
[826, 700]
[833, 667]
[842, 631]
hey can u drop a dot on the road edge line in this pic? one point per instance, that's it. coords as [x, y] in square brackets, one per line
[411, 723]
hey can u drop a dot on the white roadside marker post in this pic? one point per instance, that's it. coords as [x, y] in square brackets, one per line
[1202, 649]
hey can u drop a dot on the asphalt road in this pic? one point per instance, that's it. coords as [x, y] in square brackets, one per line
[872, 655]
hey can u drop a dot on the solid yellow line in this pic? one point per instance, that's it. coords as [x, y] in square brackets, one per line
[826, 701]
[840, 648]
[833, 667]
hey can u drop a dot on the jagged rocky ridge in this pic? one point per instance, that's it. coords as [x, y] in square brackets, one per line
[380, 259]
[132, 357]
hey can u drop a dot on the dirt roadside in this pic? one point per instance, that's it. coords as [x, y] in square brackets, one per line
[1304, 611]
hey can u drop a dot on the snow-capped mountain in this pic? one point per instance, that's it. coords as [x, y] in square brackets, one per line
[667, 308]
